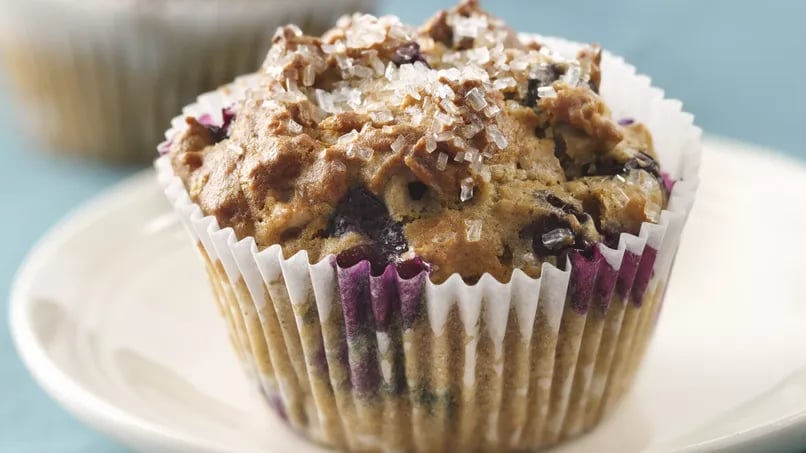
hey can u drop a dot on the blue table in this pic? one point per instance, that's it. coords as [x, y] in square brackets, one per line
[735, 63]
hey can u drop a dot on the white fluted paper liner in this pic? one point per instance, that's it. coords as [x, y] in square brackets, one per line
[102, 78]
[387, 364]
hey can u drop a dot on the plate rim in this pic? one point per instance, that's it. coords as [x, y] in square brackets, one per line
[87, 406]
[104, 416]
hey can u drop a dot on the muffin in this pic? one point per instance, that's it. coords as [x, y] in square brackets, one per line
[436, 239]
[102, 78]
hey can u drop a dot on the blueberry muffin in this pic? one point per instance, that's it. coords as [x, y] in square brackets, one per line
[439, 237]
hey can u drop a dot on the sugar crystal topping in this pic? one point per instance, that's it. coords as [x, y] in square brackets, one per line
[557, 238]
[395, 74]
[456, 144]
[652, 211]
[398, 144]
[473, 230]
[467, 189]
[442, 161]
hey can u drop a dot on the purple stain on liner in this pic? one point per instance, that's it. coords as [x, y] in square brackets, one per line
[354, 288]
[370, 302]
[276, 403]
[583, 279]
[205, 119]
[355, 296]
[644, 273]
[165, 147]
[398, 287]
[626, 121]
[626, 274]
[364, 374]
[319, 362]
[605, 285]
[384, 298]
[668, 182]
[228, 116]
[410, 291]
[279, 408]
[344, 361]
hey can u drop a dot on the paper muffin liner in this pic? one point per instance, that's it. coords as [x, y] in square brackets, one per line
[102, 79]
[384, 363]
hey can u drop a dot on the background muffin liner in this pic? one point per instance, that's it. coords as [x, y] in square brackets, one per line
[372, 363]
[103, 78]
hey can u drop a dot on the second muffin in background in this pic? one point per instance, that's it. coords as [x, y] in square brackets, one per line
[100, 79]
[436, 239]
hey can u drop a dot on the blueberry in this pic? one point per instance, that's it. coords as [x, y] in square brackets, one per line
[409, 53]
[411, 268]
[362, 212]
[561, 153]
[219, 133]
[610, 237]
[643, 161]
[549, 74]
[364, 252]
[559, 203]
[603, 167]
[549, 223]
[228, 115]
[543, 77]
[531, 93]
[625, 121]
[610, 167]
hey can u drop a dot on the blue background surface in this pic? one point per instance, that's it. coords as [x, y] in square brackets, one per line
[738, 65]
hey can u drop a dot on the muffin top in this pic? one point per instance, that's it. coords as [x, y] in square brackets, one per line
[454, 147]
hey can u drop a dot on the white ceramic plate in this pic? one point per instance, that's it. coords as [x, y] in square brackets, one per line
[113, 317]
